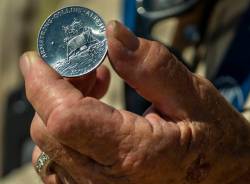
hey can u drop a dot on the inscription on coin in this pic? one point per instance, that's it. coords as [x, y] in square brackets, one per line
[72, 41]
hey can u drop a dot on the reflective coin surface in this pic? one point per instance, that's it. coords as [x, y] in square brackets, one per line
[72, 41]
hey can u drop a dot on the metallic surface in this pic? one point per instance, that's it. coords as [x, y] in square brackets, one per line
[72, 41]
[43, 163]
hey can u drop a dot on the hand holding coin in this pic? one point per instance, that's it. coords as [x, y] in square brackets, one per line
[184, 137]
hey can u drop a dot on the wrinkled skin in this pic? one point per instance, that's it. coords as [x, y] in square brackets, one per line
[189, 135]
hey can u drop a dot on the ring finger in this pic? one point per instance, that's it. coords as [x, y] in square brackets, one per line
[56, 174]
[50, 178]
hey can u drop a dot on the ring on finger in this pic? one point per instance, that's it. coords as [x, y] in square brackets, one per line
[43, 164]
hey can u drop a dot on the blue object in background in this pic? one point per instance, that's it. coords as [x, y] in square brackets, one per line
[233, 78]
[129, 13]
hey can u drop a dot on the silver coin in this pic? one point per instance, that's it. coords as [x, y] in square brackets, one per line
[72, 41]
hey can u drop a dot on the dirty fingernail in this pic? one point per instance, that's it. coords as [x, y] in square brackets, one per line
[123, 34]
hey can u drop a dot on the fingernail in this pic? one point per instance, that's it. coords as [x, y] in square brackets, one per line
[125, 36]
[26, 60]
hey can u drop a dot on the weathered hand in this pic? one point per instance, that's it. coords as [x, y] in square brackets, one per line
[189, 135]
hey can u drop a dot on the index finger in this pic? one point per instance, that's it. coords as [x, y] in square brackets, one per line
[46, 89]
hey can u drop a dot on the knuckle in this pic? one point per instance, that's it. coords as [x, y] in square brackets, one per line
[160, 50]
[58, 123]
[202, 86]
[64, 120]
[155, 45]
[61, 119]
[158, 57]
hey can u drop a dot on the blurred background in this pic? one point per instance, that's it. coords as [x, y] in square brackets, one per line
[210, 37]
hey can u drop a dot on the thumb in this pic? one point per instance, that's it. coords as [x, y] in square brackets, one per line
[152, 71]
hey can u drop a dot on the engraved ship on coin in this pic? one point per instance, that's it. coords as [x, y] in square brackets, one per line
[72, 41]
[79, 40]
[81, 46]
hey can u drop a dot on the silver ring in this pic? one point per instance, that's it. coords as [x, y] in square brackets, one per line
[43, 164]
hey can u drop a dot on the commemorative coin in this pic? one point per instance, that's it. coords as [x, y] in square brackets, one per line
[72, 41]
